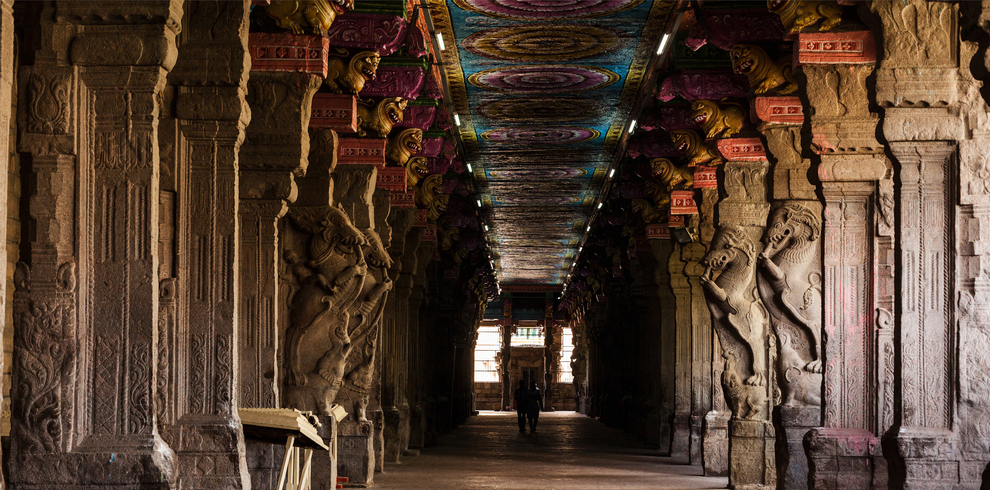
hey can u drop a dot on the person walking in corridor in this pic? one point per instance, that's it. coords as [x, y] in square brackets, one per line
[534, 406]
[522, 404]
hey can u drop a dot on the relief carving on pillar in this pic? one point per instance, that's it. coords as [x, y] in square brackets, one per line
[790, 286]
[330, 271]
[740, 319]
[48, 103]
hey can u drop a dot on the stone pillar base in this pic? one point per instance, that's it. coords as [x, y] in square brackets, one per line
[324, 470]
[696, 440]
[666, 431]
[417, 427]
[264, 461]
[841, 458]
[356, 452]
[792, 423]
[378, 418]
[391, 435]
[715, 443]
[681, 439]
[929, 457]
[211, 453]
[751, 454]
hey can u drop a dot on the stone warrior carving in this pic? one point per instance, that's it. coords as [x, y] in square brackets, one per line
[740, 319]
[365, 318]
[790, 286]
[318, 340]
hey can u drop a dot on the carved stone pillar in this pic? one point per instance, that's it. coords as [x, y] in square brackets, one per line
[742, 323]
[80, 334]
[395, 333]
[416, 395]
[675, 345]
[6, 84]
[212, 113]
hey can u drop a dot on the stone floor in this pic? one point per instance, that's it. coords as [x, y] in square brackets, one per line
[568, 451]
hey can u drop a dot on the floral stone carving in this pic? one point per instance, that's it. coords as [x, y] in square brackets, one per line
[764, 73]
[377, 118]
[717, 120]
[740, 319]
[314, 16]
[790, 286]
[347, 73]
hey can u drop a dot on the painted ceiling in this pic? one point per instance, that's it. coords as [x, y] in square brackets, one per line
[543, 90]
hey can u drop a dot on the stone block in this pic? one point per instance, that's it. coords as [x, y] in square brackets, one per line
[356, 452]
[361, 151]
[402, 200]
[284, 52]
[334, 111]
[742, 149]
[392, 178]
[715, 448]
[705, 178]
[777, 110]
[846, 47]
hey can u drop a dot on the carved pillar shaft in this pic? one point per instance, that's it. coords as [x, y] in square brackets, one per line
[418, 361]
[675, 372]
[395, 333]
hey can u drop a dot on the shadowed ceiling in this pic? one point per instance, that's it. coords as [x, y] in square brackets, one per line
[543, 90]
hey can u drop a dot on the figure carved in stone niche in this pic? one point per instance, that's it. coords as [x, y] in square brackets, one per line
[790, 286]
[365, 320]
[697, 150]
[429, 194]
[377, 117]
[796, 15]
[718, 120]
[403, 145]
[764, 73]
[671, 175]
[314, 16]
[347, 73]
[330, 270]
[416, 170]
[741, 319]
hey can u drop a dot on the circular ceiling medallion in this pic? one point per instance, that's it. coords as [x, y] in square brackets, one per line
[542, 110]
[533, 79]
[543, 43]
[556, 135]
[546, 9]
[539, 173]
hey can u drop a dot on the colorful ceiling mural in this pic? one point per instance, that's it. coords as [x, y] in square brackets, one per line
[543, 90]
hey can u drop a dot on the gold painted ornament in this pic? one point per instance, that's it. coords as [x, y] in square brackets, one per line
[671, 175]
[764, 74]
[415, 171]
[796, 15]
[377, 118]
[658, 192]
[645, 210]
[313, 16]
[347, 74]
[429, 194]
[698, 151]
[718, 120]
[403, 145]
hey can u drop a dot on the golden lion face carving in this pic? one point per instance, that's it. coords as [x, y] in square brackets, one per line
[658, 192]
[764, 74]
[403, 145]
[378, 118]
[350, 78]
[645, 210]
[429, 195]
[697, 150]
[415, 171]
[718, 120]
[314, 16]
[671, 175]
[796, 15]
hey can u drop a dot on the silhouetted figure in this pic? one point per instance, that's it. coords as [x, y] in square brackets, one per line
[522, 403]
[534, 405]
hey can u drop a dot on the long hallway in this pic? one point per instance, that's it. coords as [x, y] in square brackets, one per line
[568, 451]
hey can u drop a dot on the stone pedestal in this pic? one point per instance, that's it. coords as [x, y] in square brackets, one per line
[791, 424]
[751, 454]
[841, 458]
[324, 469]
[356, 452]
[715, 448]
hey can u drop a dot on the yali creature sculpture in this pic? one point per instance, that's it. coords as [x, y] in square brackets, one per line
[376, 118]
[718, 120]
[313, 16]
[796, 15]
[764, 73]
[697, 150]
[347, 73]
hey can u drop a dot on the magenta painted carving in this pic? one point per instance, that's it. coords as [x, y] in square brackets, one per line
[728, 27]
[418, 116]
[703, 84]
[432, 147]
[652, 144]
[382, 33]
[396, 81]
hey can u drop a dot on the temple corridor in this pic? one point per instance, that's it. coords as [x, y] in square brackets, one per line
[568, 452]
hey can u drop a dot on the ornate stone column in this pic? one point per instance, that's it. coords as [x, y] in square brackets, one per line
[856, 233]
[395, 332]
[418, 360]
[739, 318]
[6, 84]
[675, 389]
[212, 113]
[81, 335]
